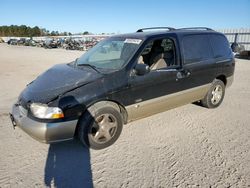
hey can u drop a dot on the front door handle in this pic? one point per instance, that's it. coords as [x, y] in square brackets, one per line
[183, 74]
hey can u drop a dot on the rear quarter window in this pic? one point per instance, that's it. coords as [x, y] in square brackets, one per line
[221, 46]
[196, 48]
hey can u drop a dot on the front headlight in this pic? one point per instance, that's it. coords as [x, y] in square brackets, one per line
[43, 111]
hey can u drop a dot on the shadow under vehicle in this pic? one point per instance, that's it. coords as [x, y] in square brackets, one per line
[124, 78]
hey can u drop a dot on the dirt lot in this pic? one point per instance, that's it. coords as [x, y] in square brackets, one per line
[189, 146]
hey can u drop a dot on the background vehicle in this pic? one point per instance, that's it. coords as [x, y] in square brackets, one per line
[12, 42]
[239, 40]
[50, 43]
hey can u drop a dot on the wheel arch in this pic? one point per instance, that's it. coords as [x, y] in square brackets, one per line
[115, 104]
[223, 78]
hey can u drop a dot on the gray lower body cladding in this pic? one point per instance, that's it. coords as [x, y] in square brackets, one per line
[160, 104]
[230, 80]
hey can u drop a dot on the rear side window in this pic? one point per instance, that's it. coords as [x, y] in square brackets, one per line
[196, 48]
[220, 45]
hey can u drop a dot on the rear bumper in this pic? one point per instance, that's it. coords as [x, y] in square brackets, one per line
[43, 132]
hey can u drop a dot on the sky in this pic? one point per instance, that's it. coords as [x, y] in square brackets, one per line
[122, 16]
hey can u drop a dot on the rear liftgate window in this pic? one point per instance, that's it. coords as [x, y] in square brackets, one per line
[221, 46]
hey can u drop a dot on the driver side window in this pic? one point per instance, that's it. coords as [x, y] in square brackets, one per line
[159, 54]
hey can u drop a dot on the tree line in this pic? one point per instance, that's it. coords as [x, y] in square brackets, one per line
[26, 31]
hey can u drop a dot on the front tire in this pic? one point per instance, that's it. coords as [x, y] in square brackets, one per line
[215, 95]
[100, 126]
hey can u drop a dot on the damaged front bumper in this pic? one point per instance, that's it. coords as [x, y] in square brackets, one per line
[41, 131]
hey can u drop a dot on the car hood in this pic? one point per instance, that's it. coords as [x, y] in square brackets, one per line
[56, 81]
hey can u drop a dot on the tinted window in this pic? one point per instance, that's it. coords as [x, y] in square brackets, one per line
[196, 48]
[221, 47]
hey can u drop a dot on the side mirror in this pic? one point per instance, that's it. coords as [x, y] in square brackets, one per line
[141, 69]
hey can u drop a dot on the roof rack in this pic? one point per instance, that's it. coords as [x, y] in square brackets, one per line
[151, 28]
[198, 28]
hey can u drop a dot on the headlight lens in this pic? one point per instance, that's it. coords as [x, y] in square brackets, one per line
[43, 111]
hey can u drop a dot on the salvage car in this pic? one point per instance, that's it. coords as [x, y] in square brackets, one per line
[124, 78]
[12, 42]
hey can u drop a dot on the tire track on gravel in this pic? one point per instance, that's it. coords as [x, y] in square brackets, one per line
[4, 178]
[211, 151]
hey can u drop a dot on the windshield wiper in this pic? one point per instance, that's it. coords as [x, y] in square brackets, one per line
[88, 65]
[92, 66]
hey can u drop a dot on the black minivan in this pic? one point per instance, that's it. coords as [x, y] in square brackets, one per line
[124, 78]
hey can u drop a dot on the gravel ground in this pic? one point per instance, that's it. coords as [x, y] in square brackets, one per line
[189, 146]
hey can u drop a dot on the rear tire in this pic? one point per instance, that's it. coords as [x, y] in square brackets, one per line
[215, 95]
[100, 126]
